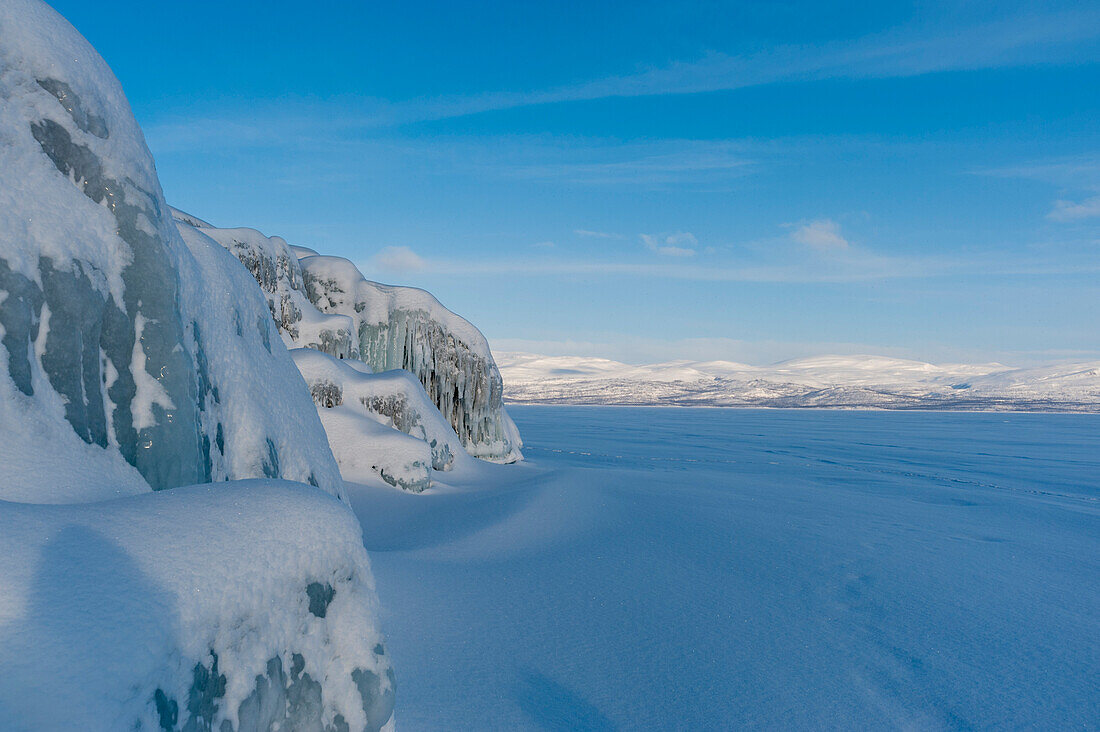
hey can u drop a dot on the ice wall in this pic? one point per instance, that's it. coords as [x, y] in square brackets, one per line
[102, 303]
[407, 328]
[325, 304]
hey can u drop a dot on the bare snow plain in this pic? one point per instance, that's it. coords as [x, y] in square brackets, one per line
[722, 568]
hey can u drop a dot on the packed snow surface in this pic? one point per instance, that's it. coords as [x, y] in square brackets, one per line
[713, 569]
[824, 381]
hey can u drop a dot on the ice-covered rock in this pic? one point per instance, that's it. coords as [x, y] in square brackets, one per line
[247, 605]
[407, 328]
[324, 303]
[106, 318]
[392, 398]
[275, 267]
[132, 359]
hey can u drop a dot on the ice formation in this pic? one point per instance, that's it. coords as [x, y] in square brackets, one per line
[346, 394]
[325, 304]
[134, 358]
[108, 318]
[407, 328]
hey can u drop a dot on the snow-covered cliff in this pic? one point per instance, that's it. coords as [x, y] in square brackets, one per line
[110, 321]
[407, 328]
[325, 303]
[131, 359]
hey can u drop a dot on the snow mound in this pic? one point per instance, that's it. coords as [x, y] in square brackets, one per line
[407, 328]
[392, 398]
[105, 319]
[366, 449]
[241, 363]
[140, 612]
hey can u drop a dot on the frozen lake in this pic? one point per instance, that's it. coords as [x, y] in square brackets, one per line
[715, 568]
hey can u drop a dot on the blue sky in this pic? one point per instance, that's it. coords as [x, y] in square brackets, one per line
[651, 181]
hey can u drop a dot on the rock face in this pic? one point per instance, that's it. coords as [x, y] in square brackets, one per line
[105, 310]
[135, 358]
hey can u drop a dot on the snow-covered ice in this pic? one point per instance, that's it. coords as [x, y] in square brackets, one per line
[723, 569]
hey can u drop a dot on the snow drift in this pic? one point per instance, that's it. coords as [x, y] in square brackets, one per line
[245, 605]
[393, 399]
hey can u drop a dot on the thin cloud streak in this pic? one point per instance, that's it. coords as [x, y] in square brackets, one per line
[1076, 211]
[597, 234]
[1035, 38]
[1038, 38]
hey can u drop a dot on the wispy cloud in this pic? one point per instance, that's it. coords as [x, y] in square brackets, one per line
[822, 235]
[1035, 37]
[680, 244]
[611, 162]
[543, 245]
[837, 266]
[399, 259]
[597, 234]
[1075, 210]
[1077, 171]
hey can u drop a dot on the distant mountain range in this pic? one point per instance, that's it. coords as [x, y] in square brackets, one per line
[838, 382]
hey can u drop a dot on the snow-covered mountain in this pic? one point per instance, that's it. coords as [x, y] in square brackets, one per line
[825, 381]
